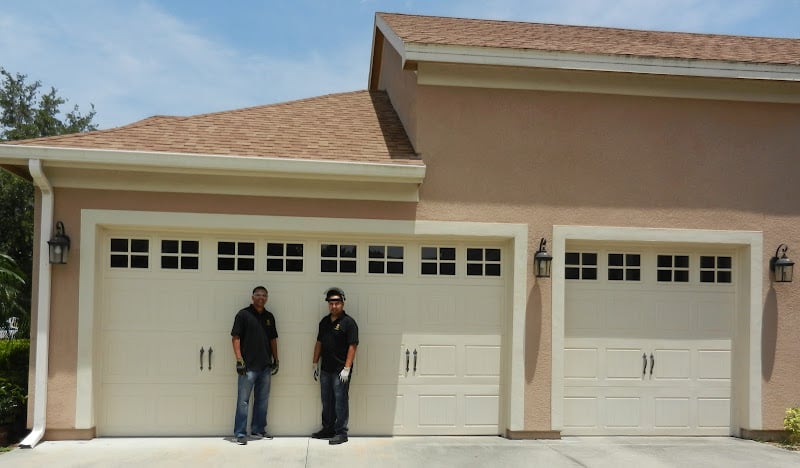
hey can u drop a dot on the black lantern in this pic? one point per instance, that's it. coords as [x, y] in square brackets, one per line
[782, 267]
[542, 261]
[59, 245]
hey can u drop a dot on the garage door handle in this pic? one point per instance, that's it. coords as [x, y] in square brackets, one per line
[202, 351]
[644, 364]
[415, 362]
[408, 355]
[210, 352]
[652, 364]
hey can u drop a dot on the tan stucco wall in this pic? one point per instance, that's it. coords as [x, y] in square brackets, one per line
[551, 158]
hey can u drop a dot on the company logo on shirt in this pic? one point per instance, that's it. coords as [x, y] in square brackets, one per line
[338, 327]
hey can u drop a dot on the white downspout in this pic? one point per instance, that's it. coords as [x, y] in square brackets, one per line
[43, 307]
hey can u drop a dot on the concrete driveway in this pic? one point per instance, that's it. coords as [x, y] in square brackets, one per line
[596, 452]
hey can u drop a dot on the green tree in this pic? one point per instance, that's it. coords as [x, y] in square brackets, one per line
[28, 112]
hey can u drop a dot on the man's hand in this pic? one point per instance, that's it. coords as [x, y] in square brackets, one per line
[344, 374]
[275, 366]
[241, 369]
[316, 371]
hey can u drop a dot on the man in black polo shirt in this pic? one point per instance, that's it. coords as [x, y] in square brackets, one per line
[255, 345]
[337, 340]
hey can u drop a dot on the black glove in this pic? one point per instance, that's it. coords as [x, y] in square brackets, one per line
[241, 369]
[275, 366]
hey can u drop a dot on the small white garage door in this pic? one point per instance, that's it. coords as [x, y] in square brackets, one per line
[648, 340]
[430, 315]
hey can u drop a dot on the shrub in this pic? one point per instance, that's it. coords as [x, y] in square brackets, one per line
[792, 424]
[12, 401]
[14, 356]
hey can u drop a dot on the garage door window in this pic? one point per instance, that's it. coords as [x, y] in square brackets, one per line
[180, 254]
[715, 269]
[438, 261]
[580, 265]
[130, 253]
[386, 259]
[338, 258]
[284, 257]
[483, 262]
[673, 268]
[236, 256]
[624, 267]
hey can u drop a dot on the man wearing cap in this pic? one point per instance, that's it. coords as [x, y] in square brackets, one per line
[337, 340]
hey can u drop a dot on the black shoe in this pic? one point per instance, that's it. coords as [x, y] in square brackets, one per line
[241, 440]
[338, 439]
[323, 434]
[260, 435]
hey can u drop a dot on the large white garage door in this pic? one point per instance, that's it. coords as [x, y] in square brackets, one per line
[430, 315]
[648, 340]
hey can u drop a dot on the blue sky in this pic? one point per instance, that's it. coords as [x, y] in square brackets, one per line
[136, 58]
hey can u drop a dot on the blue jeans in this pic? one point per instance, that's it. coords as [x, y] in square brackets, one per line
[256, 382]
[335, 402]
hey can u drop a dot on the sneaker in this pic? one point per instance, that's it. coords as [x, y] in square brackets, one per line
[323, 434]
[260, 435]
[241, 440]
[338, 439]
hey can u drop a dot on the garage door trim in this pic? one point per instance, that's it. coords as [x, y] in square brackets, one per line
[746, 372]
[93, 221]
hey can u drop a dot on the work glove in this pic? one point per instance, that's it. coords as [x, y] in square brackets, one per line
[241, 369]
[316, 371]
[344, 374]
[275, 366]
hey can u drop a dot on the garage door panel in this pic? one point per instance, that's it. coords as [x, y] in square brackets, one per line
[682, 329]
[153, 323]
[580, 363]
[623, 364]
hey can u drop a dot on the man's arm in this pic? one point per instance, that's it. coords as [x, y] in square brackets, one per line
[351, 355]
[317, 352]
[273, 344]
[237, 347]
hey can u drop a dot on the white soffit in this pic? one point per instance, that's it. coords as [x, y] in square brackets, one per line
[412, 53]
[176, 172]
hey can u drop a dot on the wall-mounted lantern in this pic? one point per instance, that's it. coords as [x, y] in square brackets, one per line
[59, 245]
[782, 267]
[542, 261]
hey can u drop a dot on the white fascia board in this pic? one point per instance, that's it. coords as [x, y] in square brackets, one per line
[416, 52]
[182, 163]
[605, 63]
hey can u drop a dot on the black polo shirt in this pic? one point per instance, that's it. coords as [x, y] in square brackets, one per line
[336, 337]
[255, 331]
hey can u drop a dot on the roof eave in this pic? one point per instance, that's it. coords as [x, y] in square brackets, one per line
[402, 180]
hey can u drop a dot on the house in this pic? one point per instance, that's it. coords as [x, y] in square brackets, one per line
[656, 167]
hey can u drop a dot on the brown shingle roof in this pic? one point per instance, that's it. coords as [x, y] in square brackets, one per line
[592, 40]
[359, 126]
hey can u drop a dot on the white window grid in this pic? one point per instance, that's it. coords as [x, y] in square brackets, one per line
[716, 269]
[673, 268]
[580, 265]
[438, 261]
[129, 253]
[180, 254]
[338, 258]
[483, 261]
[386, 259]
[285, 257]
[625, 267]
[236, 255]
